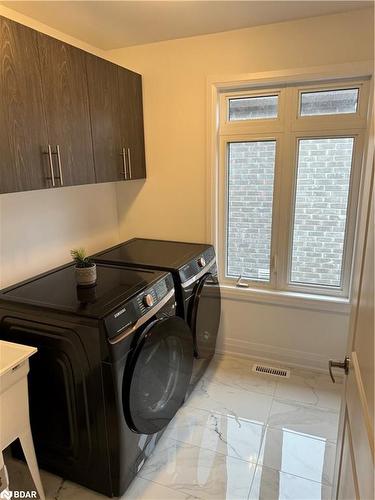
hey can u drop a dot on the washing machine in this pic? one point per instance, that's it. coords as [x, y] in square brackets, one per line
[194, 270]
[113, 366]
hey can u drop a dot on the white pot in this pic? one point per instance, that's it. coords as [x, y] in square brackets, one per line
[86, 276]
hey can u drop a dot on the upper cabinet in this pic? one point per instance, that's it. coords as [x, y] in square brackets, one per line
[66, 117]
[131, 108]
[105, 118]
[117, 121]
[23, 131]
[66, 104]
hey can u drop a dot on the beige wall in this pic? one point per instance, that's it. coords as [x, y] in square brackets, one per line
[38, 228]
[172, 203]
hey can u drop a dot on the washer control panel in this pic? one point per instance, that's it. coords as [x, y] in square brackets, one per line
[129, 312]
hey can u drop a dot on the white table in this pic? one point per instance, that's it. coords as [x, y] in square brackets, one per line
[14, 404]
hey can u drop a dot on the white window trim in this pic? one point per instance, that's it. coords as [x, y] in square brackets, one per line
[276, 79]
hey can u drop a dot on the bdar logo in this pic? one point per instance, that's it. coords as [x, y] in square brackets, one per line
[7, 494]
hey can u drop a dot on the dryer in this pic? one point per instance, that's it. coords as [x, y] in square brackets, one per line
[194, 270]
[113, 366]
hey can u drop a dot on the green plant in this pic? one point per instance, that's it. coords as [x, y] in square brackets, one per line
[80, 258]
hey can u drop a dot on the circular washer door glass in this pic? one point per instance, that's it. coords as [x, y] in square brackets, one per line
[158, 375]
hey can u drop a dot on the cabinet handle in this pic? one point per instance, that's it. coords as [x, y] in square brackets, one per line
[59, 164]
[49, 153]
[123, 154]
[130, 164]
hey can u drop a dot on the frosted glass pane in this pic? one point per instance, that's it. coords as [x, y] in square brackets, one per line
[253, 108]
[330, 102]
[323, 179]
[250, 194]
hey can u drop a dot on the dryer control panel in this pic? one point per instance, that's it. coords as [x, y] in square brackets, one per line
[143, 303]
[195, 267]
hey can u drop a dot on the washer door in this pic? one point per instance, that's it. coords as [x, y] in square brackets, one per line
[158, 375]
[205, 316]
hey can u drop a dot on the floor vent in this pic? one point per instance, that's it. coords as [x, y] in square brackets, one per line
[271, 370]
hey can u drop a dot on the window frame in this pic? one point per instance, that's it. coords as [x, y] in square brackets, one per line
[348, 120]
[353, 196]
[258, 125]
[287, 129]
[223, 207]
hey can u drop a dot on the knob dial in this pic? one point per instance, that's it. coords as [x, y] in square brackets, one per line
[201, 262]
[148, 300]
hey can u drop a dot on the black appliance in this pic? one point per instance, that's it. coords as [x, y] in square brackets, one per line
[194, 270]
[113, 366]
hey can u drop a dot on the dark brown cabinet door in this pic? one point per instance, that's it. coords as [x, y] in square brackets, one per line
[102, 77]
[65, 95]
[131, 107]
[23, 133]
[87, 112]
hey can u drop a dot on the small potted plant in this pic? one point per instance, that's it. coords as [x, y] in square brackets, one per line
[85, 269]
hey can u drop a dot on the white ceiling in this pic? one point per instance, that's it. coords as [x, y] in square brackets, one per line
[114, 24]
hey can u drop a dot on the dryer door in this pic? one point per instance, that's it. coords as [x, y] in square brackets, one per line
[204, 317]
[157, 377]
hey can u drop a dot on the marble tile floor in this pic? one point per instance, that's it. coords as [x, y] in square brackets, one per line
[240, 436]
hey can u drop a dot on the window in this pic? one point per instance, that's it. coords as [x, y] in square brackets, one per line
[253, 108]
[320, 210]
[290, 161]
[251, 167]
[331, 102]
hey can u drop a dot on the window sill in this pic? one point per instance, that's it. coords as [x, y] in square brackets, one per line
[287, 299]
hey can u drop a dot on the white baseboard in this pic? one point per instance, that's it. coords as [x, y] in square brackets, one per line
[289, 357]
